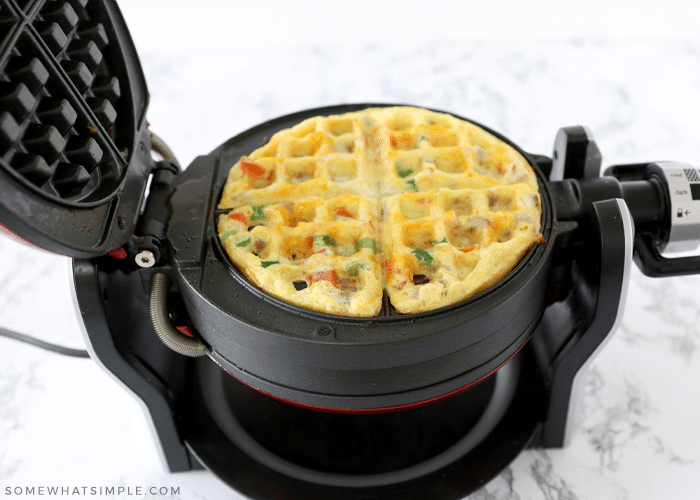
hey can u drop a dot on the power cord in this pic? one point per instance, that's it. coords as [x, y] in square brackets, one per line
[66, 351]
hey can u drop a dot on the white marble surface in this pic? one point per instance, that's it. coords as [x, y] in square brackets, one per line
[64, 422]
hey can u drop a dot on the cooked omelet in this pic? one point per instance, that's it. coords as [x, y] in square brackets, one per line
[335, 210]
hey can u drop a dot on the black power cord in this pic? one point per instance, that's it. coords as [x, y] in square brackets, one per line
[66, 351]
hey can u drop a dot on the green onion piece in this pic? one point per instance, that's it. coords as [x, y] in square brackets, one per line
[422, 137]
[243, 243]
[402, 169]
[258, 212]
[268, 263]
[228, 233]
[355, 267]
[423, 256]
[435, 242]
[370, 243]
[325, 240]
[411, 186]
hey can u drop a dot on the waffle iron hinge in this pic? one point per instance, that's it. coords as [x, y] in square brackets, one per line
[146, 244]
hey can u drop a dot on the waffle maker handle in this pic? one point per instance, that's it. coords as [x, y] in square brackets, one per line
[663, 198]
[655, 265]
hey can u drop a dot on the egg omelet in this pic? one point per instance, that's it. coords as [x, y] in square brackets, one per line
[330, 213]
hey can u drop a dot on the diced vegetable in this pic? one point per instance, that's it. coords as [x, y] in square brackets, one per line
[259, 246]
[268, 263]
[370, 243]
[423, 256]
[348, 284]
[258, 212]
[324, 240]
[251, 169]
[355, 267]
[330, 276]
[469, 248]
[238, 216]
[226, 234]
[343, 212]
[435, 242]
[243, 243]
[402, 140]
[403, 172]
[411, 186]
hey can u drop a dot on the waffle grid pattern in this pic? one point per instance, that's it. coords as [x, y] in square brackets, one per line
[333, 211]
[61, 127]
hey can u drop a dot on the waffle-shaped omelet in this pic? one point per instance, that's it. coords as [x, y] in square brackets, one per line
[334, 210]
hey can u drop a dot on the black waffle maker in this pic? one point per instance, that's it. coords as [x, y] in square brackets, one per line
[278, 401]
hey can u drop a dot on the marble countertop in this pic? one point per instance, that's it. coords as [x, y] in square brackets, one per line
[65, 422]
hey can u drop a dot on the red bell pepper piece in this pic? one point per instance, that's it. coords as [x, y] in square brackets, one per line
[251, 169]
[239, 217]
[331, 276]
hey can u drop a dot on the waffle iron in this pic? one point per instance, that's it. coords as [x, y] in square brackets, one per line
[278, 401]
